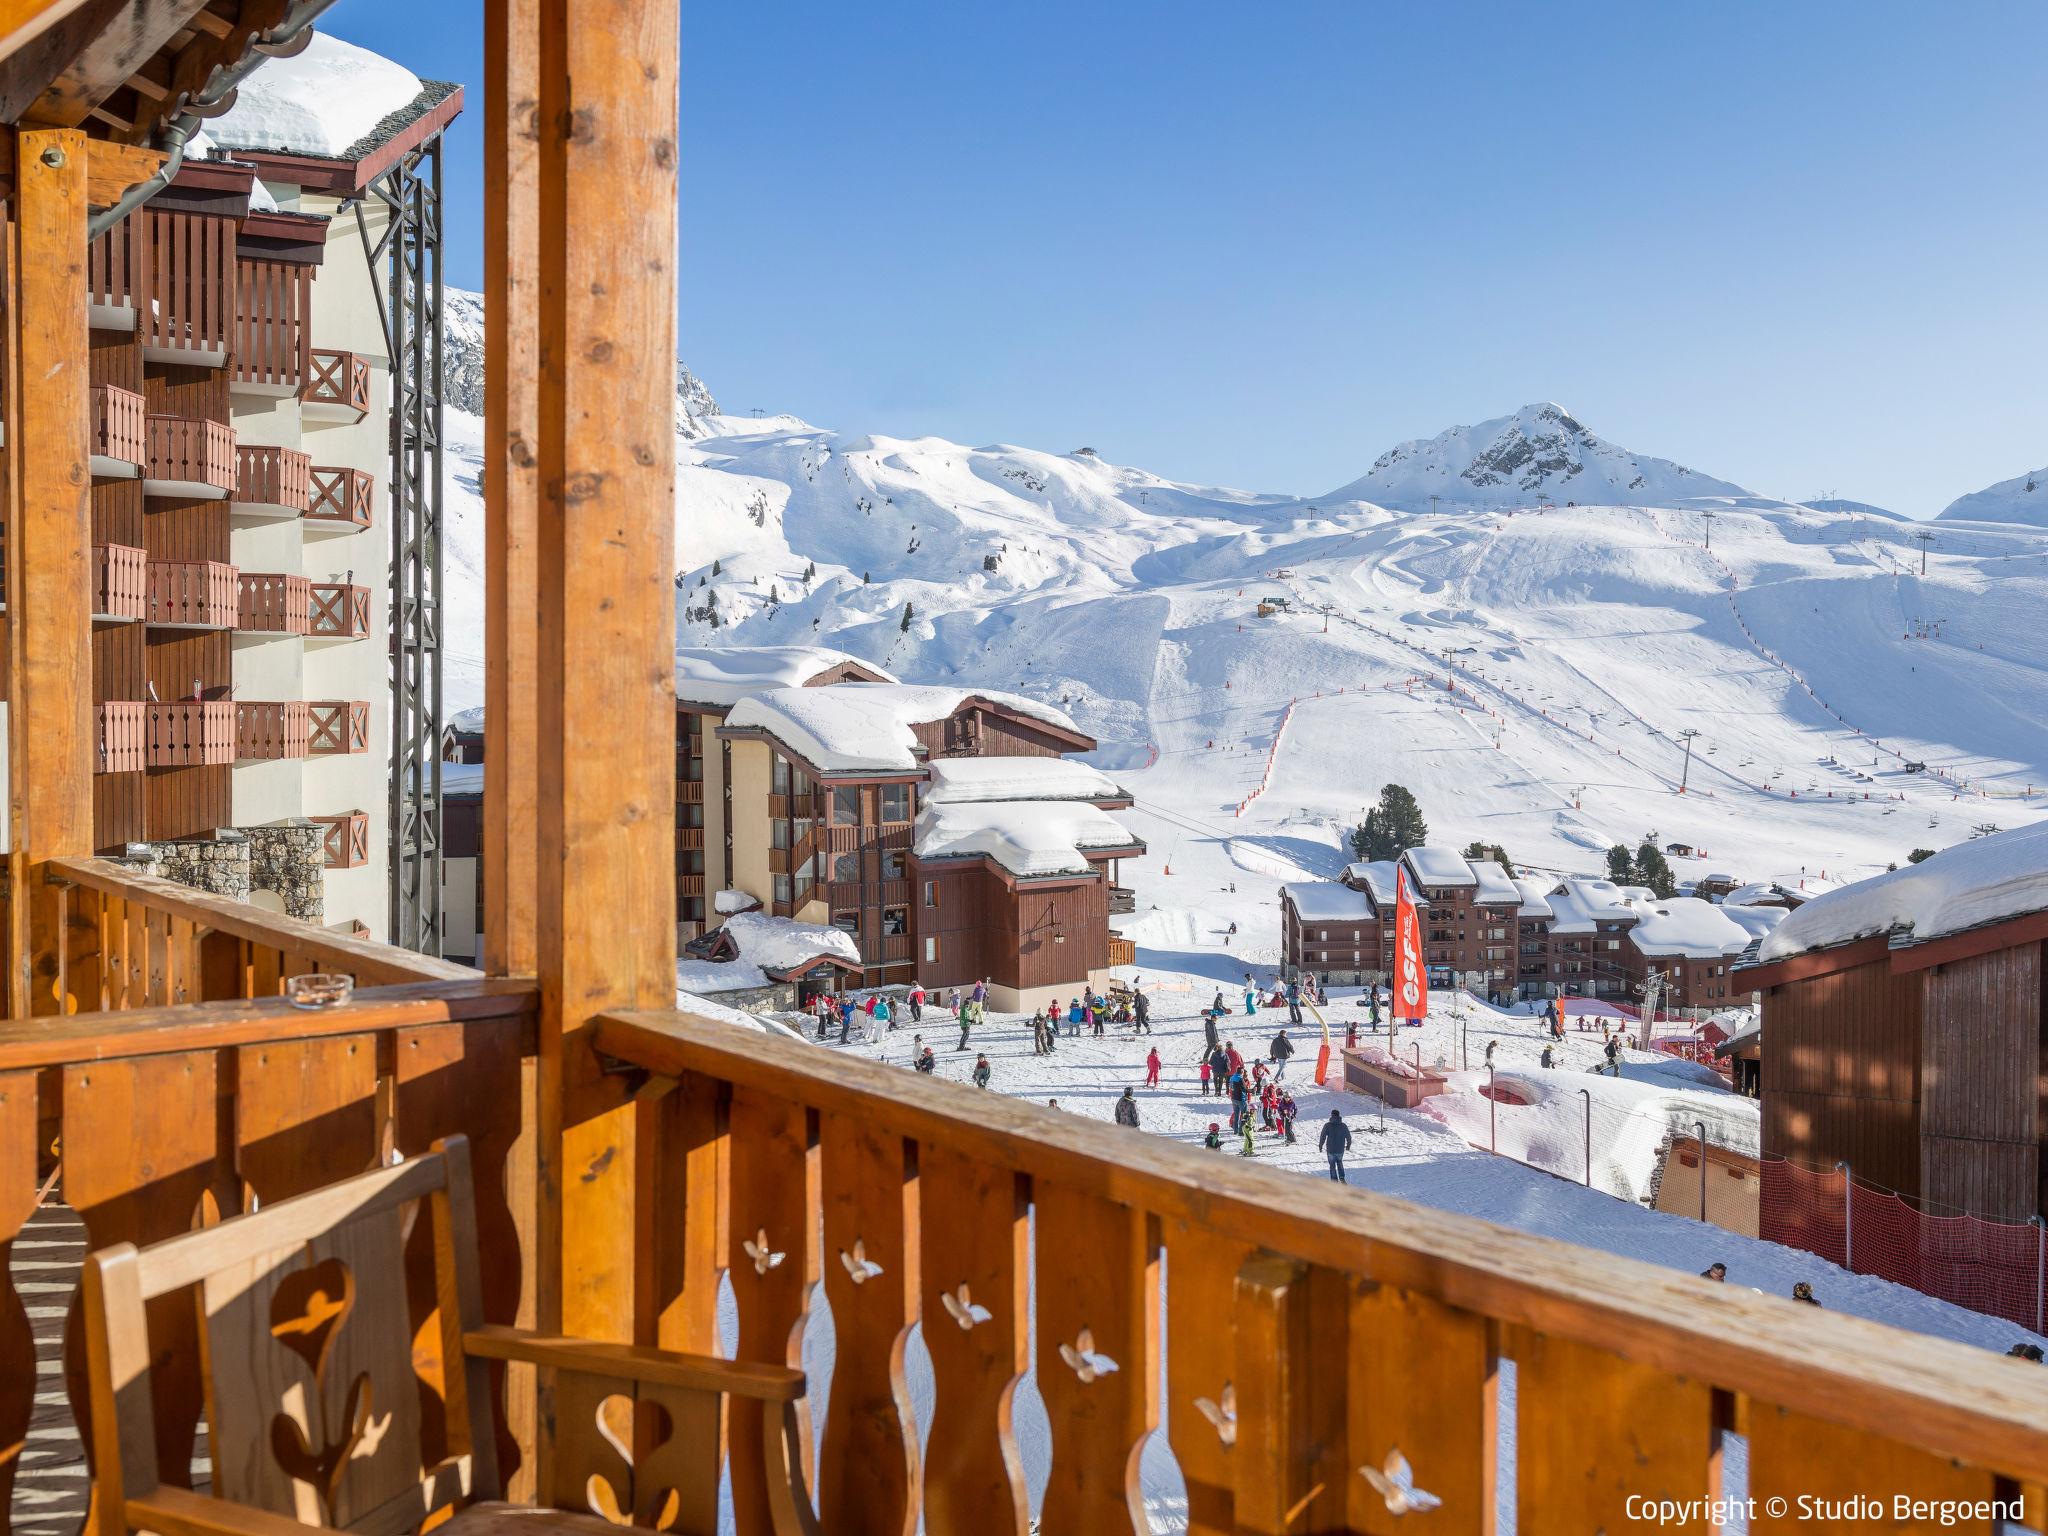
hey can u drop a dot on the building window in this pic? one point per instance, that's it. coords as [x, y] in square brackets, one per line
[1322, 935]
[895, 866]
[693, 861]
[778, 833]
[846, 922]
[778, 778]
[895, 922]
[895, 802]
[782, 893]
[846, 867]
[931, 949]
[846, 806]
[931, 893]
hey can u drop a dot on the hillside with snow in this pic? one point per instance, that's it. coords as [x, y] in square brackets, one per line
[2023, 499]
[1528, 670]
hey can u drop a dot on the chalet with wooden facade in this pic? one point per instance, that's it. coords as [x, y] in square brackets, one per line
[436, 1254]
[1903, 1029]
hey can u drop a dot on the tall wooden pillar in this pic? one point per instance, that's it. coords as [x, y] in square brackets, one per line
[604, 685]
[49, 536]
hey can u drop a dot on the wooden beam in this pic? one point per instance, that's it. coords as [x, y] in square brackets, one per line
[22, 21]
[73, 66]
[49, 587]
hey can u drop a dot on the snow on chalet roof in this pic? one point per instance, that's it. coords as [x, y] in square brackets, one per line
[962, 780]
[333, 100]
[1579, 905]
[469, 721]
[1377, 876]
[771, 949]
[1689, 928]
[1325, 901]
[1986, 880]
[1439, 866]
[1535, 898]
[1029, 838]
[720, 678]
[1496, 886]
[866, 727]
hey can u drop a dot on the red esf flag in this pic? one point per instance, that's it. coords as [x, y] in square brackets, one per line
[1411, 977]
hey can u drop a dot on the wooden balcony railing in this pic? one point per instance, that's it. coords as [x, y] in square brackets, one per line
[189, 455]
[347, 840]
[273, 313]
[121, 730]
[273, 480]
[266, 732]
[192, 734]
[1122, 951]
[890, 949]
[339, 726]
[689, 885]
[1307, 1331]
[120, 582]
[274, 603]
[193, 594]
[340, 497]
[337, 382]
[690, 837]
[174, 270]
[1122, 899]
[690, 791]
[340, 611]
[119, 430]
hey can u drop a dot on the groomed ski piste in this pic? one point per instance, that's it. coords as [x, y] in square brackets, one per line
[1434, 1156]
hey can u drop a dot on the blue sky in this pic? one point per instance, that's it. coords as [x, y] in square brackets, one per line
[1793, 245]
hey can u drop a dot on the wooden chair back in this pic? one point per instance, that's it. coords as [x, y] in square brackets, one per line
[312, 1405]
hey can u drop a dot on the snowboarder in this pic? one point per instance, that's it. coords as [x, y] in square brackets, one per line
[1216, 1005]
[1152, 1067]
[1281, 1050]
[1334, 1141]
[1141, 1006]
[1213, 1141]
[1293, 1003]
[981, 1071]
[1127, 1110]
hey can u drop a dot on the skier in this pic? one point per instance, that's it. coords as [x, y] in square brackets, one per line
[1293, 1001]
[981, 1071]
[1614, 1054]
[1334, 1141]
[1282, 1051]
[1152, 1067]
[1142, 1009]
[1269, 1105]
[953, 1002]
[1127, 1110]
[1074, 1016]
[917, 1003]
[969, 1017]
[1213, 1141]
[1245, 1147]
[928, 1063]
[1284, 1113]
[1219, 1068]
[981, 991]
[1203, 1069]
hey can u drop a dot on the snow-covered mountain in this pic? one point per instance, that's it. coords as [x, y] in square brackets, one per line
[2023, 499]
[1541, 453]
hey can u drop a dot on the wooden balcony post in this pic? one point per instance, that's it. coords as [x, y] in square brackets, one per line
[49, 555]
[602, 678]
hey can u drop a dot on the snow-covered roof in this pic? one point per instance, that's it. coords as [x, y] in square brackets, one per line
[330, 100]
[1688, 928]
[1985, 880]
[469, 721]
[962, 780]
[720, 678]
[1376, 876]
[1756, 921]
[1325, 901]
[1439, 866]
[1496, 885]
[866, 727]
[771, 949]
[1535, 898]
[1029, 838]
[725, 903]
[1578, 905]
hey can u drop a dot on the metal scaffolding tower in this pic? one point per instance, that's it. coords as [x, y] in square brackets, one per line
[409, 249]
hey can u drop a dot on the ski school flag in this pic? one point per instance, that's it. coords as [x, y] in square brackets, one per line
[1323, 1054]
[1411, 977]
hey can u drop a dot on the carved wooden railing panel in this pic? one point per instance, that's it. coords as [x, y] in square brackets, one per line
[121, 728]
[347, 839]
[341, 496]
[339, 611]
[1328, 1353]
[190, 450]
[120, 581]
[339, 726]
[119, 430]
[274, 603]
[191, 733]
[337, 379]
[267, 731]
[273, 477]
[193, 594]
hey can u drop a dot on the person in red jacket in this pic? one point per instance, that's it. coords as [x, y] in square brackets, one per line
[1152, 1067]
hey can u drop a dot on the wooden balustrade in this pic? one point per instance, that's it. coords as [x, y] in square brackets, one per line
[890, 949]
[121, 731]
[1122, 900]
[1308, 1331]
[340, 497]
[266, 732]
[273, 480]
[337, 383]
[192, 594]
[189, 456]
[340, 611]
[347, 840]
[273, 323]
[119, 429]
[120, 582]
[274, 603]
[191, 733]
[1122, 951]
[690, 791]
[184, 284]
[338, 726]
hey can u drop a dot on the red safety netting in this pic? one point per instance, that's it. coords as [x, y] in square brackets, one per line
[1994, 1267]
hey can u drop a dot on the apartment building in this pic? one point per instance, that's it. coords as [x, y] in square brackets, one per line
[1696, 945]
[238, 624]
[1468, 910]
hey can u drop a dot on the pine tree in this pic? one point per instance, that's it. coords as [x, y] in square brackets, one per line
[865, 578]
[810, 572]
[908, 613]
[715, 568]
[1390, 827]
[1919, 855]
[1480, 853]
[1654, 870]
[1621, 868]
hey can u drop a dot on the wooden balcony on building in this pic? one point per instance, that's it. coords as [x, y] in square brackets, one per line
[191, 733]
[1122, 900]
[340, 611]
[120, 435]
[690, 838]
[190, 458]
[890, 949]
[337, 386]
[121, 736]
[273, 319]
[192, 594]
[690, 791]
[120, 583]
[689, 885]
[268, 732]
[338, 726]
[273, 603]
[347, 841]
[272, 482]
[340, 498]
